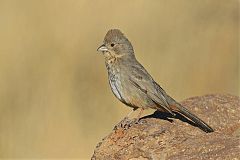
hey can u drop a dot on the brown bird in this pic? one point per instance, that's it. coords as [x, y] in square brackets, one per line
[133, 85]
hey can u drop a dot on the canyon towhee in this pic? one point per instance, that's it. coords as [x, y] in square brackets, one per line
[133, 85]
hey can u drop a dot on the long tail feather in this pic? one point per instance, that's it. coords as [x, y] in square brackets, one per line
[204, 126]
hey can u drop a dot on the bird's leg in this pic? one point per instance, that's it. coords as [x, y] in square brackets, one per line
[126, 121]
[139, 115]
[129, 114]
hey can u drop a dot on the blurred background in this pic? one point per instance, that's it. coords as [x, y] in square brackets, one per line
[55, 101]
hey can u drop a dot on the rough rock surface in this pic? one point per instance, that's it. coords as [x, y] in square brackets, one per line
[160, 137]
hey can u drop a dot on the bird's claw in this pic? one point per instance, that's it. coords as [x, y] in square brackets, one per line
[126, 123]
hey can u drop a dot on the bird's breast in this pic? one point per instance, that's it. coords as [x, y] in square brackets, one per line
[123, 89]
[115, 81]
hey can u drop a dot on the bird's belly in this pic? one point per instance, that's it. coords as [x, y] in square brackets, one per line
[123, 89]
[129, 95]
[115, 89]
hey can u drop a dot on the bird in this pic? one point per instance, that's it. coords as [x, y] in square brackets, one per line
[133, 85]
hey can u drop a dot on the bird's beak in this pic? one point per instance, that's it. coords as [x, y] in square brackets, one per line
[102, 48]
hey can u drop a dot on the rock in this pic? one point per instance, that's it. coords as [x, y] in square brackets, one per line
[160, 137]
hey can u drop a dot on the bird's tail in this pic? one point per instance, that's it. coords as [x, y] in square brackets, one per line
[204, 126]
[200, 123]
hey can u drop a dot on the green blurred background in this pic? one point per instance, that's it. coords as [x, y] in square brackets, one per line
[55, 101]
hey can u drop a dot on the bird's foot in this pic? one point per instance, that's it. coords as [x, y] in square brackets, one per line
[126, 123]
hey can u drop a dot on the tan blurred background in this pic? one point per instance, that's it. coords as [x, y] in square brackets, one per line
[55, 101]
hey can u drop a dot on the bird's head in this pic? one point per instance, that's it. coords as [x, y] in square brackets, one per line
[116, 45]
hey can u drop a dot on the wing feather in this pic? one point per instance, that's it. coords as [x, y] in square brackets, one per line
[144, 82]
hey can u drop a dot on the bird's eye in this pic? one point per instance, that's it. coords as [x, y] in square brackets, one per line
[112, 44]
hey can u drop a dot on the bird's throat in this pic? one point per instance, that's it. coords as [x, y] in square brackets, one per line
[112, 58]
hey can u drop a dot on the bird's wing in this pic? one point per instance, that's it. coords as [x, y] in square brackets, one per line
[144, 82]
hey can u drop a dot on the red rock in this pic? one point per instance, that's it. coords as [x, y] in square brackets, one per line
[157, 138]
